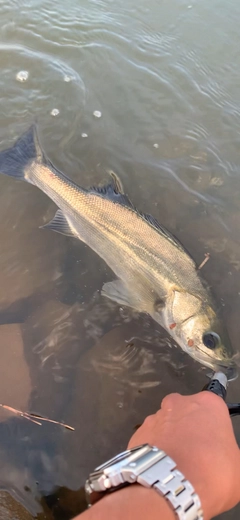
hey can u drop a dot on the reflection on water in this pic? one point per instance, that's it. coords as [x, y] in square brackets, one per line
[165, 78]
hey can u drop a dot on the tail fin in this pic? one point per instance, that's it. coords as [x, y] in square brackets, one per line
[14, 160]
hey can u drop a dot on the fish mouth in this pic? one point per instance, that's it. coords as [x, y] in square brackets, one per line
[230, 370]
[227, 366]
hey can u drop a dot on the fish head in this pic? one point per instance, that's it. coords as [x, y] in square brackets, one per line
[195, 325]
[204, 337]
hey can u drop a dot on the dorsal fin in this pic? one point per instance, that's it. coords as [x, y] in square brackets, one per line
[113, 191]
[153, 221]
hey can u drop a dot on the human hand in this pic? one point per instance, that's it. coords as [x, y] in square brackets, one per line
[196, 431]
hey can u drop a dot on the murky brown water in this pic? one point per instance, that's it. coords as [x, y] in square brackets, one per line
[165, 77]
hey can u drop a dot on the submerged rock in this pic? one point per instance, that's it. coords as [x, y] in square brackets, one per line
[12, 509]
[118, 382]
[30, 257]
[53, 343]
[15, 382]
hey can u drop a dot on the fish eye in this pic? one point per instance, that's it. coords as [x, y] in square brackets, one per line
[211, 340]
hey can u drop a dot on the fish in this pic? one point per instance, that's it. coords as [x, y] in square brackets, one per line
[154, 272]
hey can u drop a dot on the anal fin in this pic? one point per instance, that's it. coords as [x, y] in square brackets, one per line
[60, 224]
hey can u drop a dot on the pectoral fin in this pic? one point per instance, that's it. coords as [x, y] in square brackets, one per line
[60, 224]
[119, 293]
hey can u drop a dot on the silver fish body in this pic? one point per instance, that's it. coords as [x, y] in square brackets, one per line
[154, 273]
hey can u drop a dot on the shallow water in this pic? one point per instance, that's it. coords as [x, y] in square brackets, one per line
[165, 77]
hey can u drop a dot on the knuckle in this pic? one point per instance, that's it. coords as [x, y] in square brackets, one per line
[170, 400]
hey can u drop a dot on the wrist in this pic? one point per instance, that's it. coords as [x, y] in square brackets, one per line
[151, 468]
[134, 501]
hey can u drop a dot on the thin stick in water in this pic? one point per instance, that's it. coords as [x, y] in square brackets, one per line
[51, 421]
[32, 417]
[207, 256]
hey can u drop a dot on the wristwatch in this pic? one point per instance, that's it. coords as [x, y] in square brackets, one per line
[150, 467]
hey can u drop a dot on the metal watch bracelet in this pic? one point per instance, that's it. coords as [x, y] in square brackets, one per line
[170, 483]
[152, 468]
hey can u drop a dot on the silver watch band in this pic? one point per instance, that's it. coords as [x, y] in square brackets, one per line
[170, 483]
[151, 468]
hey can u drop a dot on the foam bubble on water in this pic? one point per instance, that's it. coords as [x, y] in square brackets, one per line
[54, 112]
[97, 113]
[67, 78]
[216, 181]
[189, 6]
[84, 135]
[156, 145]
[22, 75]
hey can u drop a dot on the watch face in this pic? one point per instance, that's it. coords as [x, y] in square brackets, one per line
[118, 458]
